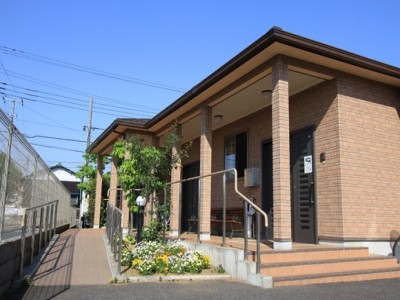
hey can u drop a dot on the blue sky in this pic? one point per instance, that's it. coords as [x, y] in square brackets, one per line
[161, 47]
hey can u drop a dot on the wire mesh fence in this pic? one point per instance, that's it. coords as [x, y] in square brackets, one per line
[26, 181]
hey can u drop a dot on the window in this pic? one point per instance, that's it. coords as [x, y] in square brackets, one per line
[236, 152]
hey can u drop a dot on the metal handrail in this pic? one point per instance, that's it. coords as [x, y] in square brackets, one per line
[49, 228]
[114, 233]
[247, 201]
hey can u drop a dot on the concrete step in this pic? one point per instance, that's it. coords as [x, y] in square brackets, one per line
[325, 265]
[313, 267]
[350, 276]
[275, 256]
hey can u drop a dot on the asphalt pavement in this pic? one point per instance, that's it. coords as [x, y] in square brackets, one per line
[76, 267]
[229, 290]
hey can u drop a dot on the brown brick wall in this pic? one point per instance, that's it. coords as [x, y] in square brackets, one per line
[369, 129]
[317, 107]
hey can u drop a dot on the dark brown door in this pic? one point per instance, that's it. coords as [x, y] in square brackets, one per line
[190, 195]
[302, 181]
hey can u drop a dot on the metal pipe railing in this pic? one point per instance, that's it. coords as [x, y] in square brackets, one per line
[246, 200]
[114, 233]
[32, 214]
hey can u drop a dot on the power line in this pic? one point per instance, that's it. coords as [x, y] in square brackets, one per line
[123, 110]
[104, 112]
[75, 67]
[53, 137]
[149, 110]
[69, 90]
[58, 148]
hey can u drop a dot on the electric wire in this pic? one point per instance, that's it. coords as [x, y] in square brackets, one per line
[75, 67]
[70, 90]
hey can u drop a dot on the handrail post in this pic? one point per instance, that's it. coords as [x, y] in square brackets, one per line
[199, 210]
[258, 222]
[51, 221]
[119, 251]
[33, 234]
[224, 209]
[46, 225]
[180, 210]
[245, 229]
[41, 228]
[55, 217]
[23, 233]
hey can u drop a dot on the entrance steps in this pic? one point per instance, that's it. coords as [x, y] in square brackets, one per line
[325, 265]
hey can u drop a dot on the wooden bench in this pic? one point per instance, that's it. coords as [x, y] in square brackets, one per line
[234, 221]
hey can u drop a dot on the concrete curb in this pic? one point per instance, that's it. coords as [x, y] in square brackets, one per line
[184, 277]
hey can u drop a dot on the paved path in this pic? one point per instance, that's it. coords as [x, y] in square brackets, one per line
[78, 257]
[77, 268]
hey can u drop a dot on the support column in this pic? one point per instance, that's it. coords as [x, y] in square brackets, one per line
[175, 207]
[125, 213]
[281, 155]
[99, 185]
[205, 168]
[113, 181]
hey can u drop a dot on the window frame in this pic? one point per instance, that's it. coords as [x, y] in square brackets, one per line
[243, 161]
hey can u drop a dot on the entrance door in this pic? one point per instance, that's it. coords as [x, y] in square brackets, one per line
[302, 181]
[302, 187]
[190, 195]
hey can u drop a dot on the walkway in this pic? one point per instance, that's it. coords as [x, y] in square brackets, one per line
[78, 257]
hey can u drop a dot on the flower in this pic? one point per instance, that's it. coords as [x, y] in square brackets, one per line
[173, 257]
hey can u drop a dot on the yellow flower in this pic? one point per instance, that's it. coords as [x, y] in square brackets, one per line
[136, 262]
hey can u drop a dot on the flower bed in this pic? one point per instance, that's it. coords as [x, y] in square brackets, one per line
[150, 257]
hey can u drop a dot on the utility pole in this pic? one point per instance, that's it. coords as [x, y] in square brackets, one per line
[88, 129]
[7, 159]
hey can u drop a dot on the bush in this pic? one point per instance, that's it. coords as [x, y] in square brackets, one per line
[152, 232]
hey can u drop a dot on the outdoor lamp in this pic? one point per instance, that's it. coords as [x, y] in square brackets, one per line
[141, 202]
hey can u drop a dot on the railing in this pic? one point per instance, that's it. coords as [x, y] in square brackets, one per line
[114, 233]
[247, 202]
[44, 224]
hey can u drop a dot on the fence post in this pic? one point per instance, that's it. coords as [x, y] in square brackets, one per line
[33, 234]
[55, 217]
[22, 257]
[40, 228]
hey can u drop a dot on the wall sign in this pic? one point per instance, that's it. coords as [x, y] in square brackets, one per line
[308, 168]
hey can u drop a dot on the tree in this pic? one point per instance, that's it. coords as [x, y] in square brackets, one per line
[88, 172]
[147, 167]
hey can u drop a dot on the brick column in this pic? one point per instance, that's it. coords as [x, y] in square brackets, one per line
[205, 168]
[125, 213]
[176, 175]
[281, 155]
[113, 181]
[99, 185]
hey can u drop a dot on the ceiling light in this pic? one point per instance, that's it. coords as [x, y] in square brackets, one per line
[218, 118]
[266, 93]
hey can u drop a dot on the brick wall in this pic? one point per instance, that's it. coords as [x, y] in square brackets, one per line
[369, 129]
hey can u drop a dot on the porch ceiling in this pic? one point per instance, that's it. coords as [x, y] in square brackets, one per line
[245, 101]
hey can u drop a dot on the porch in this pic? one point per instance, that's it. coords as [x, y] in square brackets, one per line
[304, 264]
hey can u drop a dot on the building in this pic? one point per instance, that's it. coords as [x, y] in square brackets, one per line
[317, 126]
[70, 181]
